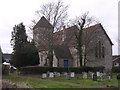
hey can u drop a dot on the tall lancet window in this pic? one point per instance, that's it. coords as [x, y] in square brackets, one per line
[99, 43]
[96, 50]
[103, 51]
[99, 50]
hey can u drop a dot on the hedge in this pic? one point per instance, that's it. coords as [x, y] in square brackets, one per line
[40, 70]
[116, 69]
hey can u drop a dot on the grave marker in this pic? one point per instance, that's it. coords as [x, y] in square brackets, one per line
[84, 75]
[44, 75]
[72, 74]
[51, 74]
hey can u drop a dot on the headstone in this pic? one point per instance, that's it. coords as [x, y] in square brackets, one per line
[84, 75]
[102, 76]
[44, 75]
[90, 74]
[94, 77]
[51, 74]
[55, 74]
[68, 77]
[98, 74]
[48, 73]
[58, 74]
[110, 77]
[65, 74]
[72, 74]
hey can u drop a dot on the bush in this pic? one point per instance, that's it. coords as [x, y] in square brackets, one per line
[40, 70]
[116, 69]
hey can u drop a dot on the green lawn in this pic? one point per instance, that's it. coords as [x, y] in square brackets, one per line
[60, 82]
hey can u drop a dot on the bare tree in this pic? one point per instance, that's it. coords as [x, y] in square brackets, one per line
[54, 12]
[82, 22]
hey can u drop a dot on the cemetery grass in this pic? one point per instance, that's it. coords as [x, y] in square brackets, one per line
[35, 81]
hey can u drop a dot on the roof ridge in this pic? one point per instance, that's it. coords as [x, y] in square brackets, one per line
[66, 28]
[92, 26]
[43, 22]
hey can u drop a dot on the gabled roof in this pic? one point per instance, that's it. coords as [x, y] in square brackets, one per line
[43, 22]
[69, 36]
[7, 56]
[116, 60]
[62, 52]
[91, 29]
[106, 34]
[70, 39]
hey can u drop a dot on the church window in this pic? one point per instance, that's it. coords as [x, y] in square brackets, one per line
[96, 51]
[99, 50]
[103, 51]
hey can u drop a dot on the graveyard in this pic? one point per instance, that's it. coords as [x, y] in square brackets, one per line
[64, 80]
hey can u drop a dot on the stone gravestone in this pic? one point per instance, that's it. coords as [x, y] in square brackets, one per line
[44, 75]
[90, 74]
[98, 74]
[58, 74]
[68, 76]
[65, 74]
[102, 76]
[84, 75]
[55, 74]
[94, 77]
[72, 74]
[110, 76]
[51, 74]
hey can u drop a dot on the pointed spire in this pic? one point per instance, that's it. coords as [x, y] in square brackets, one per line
[43, 22]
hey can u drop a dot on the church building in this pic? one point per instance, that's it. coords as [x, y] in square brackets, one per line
[96, 45]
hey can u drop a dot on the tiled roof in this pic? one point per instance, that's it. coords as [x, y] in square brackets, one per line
[43, 22]
[69, 36]
[70, 39]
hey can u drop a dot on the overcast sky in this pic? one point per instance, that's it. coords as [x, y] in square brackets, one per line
[13, 12]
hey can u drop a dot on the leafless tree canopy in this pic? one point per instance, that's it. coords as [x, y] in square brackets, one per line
[54, 12]
[83, 21]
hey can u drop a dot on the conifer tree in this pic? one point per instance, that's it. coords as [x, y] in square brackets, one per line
[24, 52]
